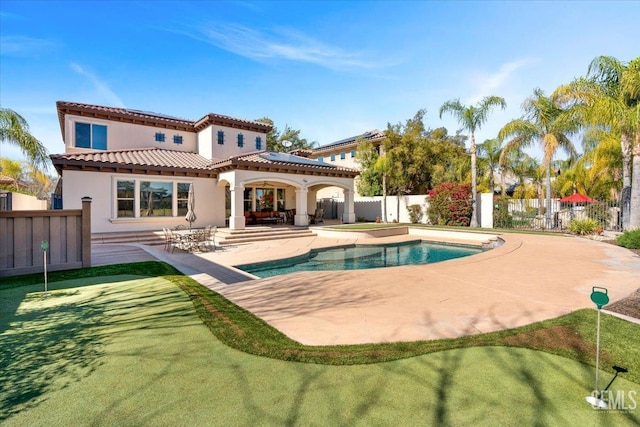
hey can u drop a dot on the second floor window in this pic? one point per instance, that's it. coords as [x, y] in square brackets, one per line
[342, 156]
[159, 137]
[177, 139]
[353, 153]
[258, 143]
[333, 157]
[240, 140]
[92, 136]
[220, 137]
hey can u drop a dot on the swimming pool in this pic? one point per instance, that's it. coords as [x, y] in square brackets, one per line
[355, 257]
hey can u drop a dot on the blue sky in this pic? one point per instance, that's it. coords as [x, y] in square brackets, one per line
[331, 69]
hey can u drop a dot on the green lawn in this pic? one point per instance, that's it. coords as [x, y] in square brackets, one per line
[132, 350]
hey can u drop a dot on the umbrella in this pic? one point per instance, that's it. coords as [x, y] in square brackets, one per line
[576, 198]
[191, 205]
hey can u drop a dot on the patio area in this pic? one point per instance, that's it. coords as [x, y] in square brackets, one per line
[527, 279]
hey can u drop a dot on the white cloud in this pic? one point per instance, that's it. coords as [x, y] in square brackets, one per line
[282, 43]
[102, 89]
[23, 45]
[498, 82]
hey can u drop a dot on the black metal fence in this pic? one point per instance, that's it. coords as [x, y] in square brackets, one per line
[534, 214]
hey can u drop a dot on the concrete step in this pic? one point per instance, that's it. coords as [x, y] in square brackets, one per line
[226, 236]
[143, 237]
[258, 238]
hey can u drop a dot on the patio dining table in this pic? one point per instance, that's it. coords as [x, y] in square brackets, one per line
[192, 240]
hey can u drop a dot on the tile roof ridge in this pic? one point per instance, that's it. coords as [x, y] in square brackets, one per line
[123, 110]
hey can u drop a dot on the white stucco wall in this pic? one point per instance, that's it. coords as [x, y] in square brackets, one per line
[25, 202]
[126, 135]
[209, 147]
[101, 188]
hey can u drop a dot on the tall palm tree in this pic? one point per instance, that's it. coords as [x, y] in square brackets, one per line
[490, 151]
[472, 118]
[14, 129]
[546, 123]
[610, 97]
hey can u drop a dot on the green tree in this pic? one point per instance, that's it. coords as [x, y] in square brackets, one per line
[275, 138]
[489, 153]
[12, 169]
[471, 118]
[546, 123]
[610, 96]
[14, 130]
[369, 182]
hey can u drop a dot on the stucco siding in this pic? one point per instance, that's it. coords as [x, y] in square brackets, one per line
[125, 135]
[101, 188]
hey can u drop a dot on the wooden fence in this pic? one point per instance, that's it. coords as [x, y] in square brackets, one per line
[68, 233]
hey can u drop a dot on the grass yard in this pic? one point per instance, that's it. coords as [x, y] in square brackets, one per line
[121, 349]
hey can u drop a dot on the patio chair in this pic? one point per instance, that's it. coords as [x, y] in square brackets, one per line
[317, 217]
[210, 235]
[167, 238]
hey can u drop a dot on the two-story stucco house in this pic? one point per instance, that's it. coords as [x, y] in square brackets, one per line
[138, 166]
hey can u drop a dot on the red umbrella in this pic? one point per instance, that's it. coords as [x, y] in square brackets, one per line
[576, 198]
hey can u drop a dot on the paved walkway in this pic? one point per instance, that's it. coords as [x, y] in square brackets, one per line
[527, 279]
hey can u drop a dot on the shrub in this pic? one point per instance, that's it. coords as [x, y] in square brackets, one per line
[361, 219]
[630, 239]
[415, 213]
[584, 226]
[501, 217]
[450, 204]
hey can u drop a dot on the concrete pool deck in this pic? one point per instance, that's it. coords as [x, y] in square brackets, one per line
[527, 279]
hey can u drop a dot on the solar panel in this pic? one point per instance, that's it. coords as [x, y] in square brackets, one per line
[164, 116]
[290, 158]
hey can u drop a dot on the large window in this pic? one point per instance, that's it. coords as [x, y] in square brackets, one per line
[92, 136]
[280, 205]
[183, 198]
[248, 199]
[264, 199]
[136, 198]
[125, 199]
[156, 198]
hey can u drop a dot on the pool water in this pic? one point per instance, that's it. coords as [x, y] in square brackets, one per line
[356, 257]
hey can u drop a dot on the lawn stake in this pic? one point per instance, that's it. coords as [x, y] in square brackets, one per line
[600, 299]
[45, 246]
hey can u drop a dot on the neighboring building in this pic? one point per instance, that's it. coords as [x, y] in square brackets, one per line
[138, 166]
[343, 153]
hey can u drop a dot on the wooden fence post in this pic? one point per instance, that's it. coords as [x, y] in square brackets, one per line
[86, 232]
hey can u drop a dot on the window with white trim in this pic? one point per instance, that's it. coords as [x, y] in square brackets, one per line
[125, 198]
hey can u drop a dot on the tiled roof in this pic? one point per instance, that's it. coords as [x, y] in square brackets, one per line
[372, 135]
[156, 159]
[153, 119]
[284, 163]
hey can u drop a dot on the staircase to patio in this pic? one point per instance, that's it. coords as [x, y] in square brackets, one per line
[224, 236]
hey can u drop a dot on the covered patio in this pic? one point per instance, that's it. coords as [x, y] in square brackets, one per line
[275, 183]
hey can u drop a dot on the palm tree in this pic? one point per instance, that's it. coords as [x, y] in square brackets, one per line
[610, 97]
[472, 118]
[14, 129]
[544, 122]
[490, 151]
